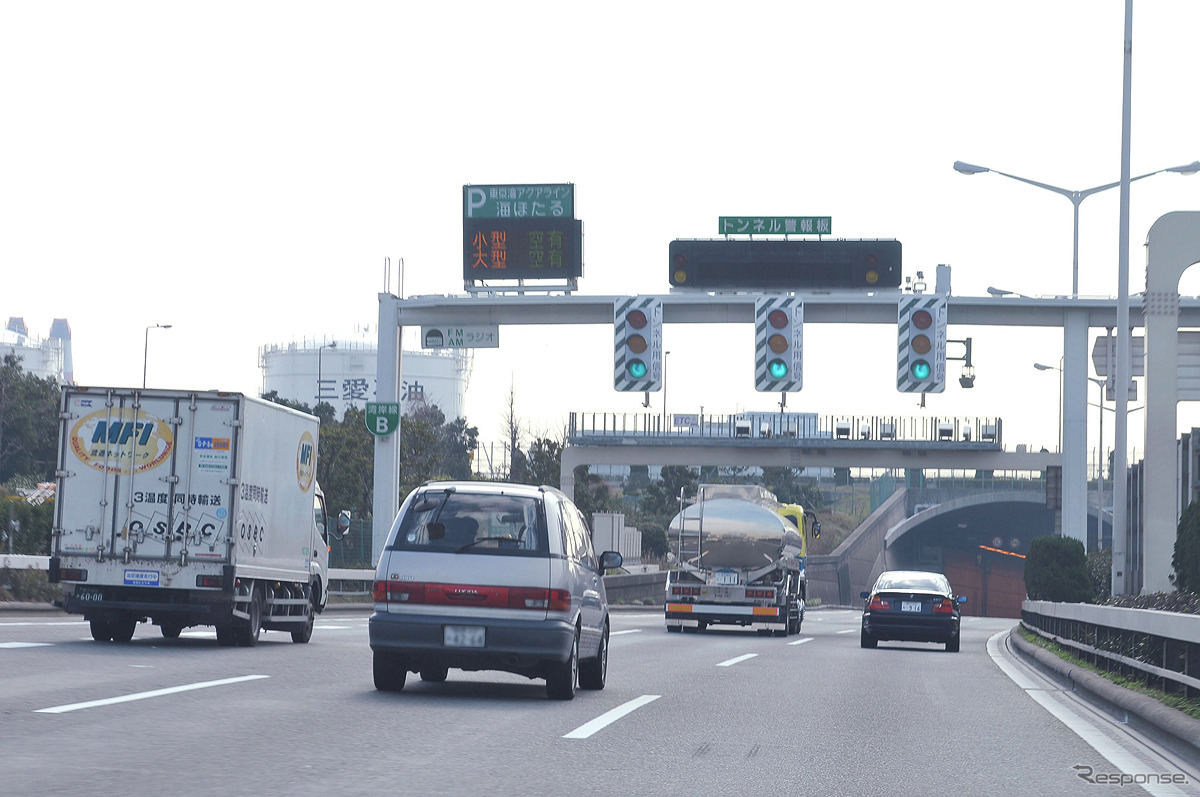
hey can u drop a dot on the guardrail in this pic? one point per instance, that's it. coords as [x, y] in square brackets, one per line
[1161, 649]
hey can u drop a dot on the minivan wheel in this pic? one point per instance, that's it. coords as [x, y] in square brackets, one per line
[388, 671]
[564, 676]
[593, 672]
[434, 675]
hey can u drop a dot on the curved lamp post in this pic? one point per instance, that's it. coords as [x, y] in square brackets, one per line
[1076, 198]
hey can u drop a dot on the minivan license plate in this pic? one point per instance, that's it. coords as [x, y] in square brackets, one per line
[463, 636]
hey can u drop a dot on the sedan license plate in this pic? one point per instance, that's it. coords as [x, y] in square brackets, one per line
[910, 606]
[463, 636]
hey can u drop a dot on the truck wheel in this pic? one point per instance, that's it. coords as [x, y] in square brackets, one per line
[593, 672]
[564, 676]
[122, 630]
[171, 630]
[101, 630]
[674, 629]
[305, 632]
[225, 636]
[388, 671]
[247, 631]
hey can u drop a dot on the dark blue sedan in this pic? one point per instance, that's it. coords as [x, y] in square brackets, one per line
[911, 606]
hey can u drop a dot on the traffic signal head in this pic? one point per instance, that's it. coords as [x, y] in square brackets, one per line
[921, 333]
[637, 328]
[778, 343]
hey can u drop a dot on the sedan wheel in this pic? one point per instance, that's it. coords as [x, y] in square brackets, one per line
[389, 673]
[952, 645]
[867, 641]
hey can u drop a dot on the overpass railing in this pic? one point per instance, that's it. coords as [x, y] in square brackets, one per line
[801, 426]
[1160, 649]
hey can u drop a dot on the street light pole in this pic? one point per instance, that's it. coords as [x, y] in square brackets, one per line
[146, 349]
[1075, 197]
[1058, 368]
[664, 385]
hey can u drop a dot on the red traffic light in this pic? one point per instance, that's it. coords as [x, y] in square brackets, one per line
[636, 319]
[922, 319]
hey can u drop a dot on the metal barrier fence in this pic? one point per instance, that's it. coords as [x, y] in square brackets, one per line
[353, 550]
[1159, 649]
[804, 426]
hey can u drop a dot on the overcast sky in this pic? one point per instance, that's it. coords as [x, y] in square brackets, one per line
[241, 170]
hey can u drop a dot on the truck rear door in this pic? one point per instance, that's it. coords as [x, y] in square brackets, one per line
[145, 474]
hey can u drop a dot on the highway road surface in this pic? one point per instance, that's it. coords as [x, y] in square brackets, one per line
[716, 713]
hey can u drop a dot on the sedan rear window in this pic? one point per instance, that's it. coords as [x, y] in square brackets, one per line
[915, 582]
[458, 522]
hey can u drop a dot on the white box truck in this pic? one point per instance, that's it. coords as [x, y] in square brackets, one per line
[188, 508]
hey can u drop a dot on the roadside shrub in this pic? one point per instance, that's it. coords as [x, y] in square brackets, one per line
[1186, 559]
[1056, 570]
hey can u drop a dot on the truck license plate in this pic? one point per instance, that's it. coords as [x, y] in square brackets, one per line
[726, 578]
[463, 636]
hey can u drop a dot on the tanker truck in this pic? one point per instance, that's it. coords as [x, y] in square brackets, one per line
[741, 558]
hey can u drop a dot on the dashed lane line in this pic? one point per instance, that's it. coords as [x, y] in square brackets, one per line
[609, 717]
[108, 701]
[737, 659]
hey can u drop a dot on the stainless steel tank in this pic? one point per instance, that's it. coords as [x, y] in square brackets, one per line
[735, 533]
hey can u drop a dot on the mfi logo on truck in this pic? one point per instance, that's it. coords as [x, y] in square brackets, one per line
[306, 461]
[121, 440]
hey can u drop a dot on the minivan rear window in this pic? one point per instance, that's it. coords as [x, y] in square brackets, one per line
[461, 522]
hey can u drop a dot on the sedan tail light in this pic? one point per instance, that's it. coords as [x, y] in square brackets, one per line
[943, 606]
[879, 604]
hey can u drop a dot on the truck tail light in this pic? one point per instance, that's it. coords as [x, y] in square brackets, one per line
[761, 594]
[681, 591]
[209, 581]
[944, 606]
[72, 574]
[879, 604]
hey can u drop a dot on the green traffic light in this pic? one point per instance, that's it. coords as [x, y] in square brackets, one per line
[921, 370]
[777, 368]
[636, 369]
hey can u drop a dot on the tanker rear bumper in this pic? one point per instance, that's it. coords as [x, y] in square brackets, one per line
[699, 615]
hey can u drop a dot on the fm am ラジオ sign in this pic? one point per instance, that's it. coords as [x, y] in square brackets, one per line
[460, 337]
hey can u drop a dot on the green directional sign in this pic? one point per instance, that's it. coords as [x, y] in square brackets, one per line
[775, 225]
[382, 417]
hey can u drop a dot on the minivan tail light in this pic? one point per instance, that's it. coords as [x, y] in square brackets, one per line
[398, 592]
[553, 600]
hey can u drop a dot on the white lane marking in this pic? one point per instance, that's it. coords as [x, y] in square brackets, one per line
[30, 622]
[627, 631]
[801, 641]
[623, 616]
[108, 701]
[848, 631]
[735, 660]
[334, 627]
[609, 717]
[25, 644]
[1114, 753]
[199, 634]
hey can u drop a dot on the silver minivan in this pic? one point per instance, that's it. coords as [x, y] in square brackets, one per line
[491, 576]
